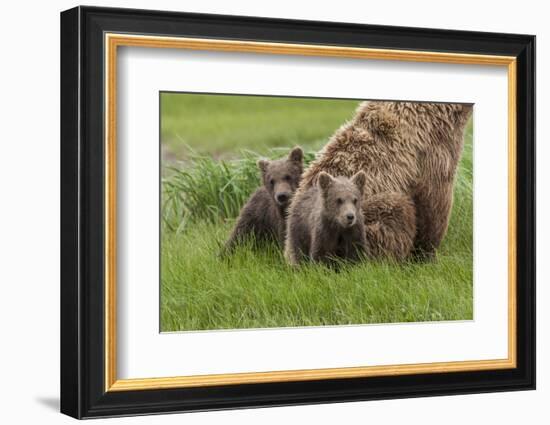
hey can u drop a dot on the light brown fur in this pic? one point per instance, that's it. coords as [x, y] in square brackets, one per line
[403, 147]
[390, 225]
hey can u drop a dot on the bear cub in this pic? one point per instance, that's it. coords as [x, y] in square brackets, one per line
[263, 216]
[326, 221]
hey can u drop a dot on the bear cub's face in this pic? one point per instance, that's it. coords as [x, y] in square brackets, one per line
[342, 198]
[281, 177]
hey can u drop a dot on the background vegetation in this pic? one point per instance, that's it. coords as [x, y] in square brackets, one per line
[221, 126]
[210, 148]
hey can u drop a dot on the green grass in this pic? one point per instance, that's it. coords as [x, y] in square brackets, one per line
[205, 189]
[256, 289]
[221, 125]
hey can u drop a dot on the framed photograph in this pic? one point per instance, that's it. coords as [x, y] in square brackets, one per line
[261, 212]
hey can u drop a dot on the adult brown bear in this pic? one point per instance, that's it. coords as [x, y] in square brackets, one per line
[410, 148]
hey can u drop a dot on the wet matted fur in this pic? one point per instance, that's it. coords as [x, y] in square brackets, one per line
[403, 147]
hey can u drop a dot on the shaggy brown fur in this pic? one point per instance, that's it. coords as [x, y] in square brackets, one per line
[390, 225]
[263, 216]
[403, 147]
[326, 222]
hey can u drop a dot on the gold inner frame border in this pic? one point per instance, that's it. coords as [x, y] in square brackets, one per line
[113, 41]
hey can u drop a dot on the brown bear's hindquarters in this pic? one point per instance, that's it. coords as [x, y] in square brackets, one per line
[390, 225]
[433, 210]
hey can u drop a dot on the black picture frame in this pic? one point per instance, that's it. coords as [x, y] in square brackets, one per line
[83, 392]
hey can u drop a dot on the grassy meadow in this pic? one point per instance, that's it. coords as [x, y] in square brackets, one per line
[221, 126]
[210, 148]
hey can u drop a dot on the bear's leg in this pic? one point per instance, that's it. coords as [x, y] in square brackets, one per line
[292, 251]
[291, 256]
[233, 240]
[316, 252]
[384, 240]
[238, 234]
[433, 210]
[358, 245]
[390, 225]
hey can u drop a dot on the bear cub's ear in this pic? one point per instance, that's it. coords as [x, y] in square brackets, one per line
[296, 155]
[325, 181]
[262, 165]
[359, 179]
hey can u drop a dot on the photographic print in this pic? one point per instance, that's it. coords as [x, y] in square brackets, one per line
[346, 214]
[284, 212]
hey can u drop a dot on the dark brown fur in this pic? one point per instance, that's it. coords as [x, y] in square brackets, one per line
[326, 222]
[263, 216]
[403, 147]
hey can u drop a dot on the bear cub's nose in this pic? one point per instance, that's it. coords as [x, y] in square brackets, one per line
[350, 216]
[282, 197]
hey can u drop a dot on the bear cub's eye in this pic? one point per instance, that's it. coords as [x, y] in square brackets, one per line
[272, 182]
[287, 177]
[340, 201]
[355, 201]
